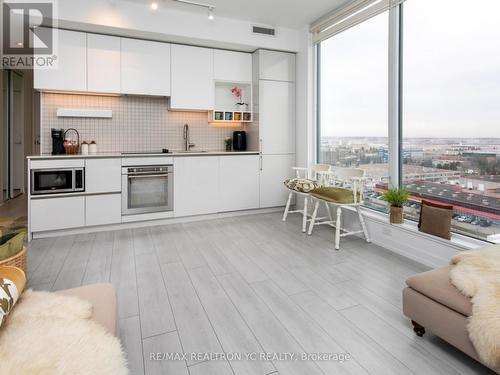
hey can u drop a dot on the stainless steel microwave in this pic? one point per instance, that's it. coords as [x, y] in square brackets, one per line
[57, 181]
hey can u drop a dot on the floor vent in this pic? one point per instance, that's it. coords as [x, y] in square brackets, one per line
[269, 31]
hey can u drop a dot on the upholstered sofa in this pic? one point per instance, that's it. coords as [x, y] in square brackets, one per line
[433, 303]
[104, 303]
[101, 296]
[45, 327]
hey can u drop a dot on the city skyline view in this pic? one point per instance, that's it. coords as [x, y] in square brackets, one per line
[463, 172]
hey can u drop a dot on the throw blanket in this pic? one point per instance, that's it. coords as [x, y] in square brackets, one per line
[49, 334]
[476, 274]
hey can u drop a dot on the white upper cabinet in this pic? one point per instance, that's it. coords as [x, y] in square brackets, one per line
[192, 78]
[232, 66]
[103, 63]
[145, 67]
[71, 71]
[276, 66]
[277, 117]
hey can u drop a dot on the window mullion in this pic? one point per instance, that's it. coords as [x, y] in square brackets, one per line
[395, 144]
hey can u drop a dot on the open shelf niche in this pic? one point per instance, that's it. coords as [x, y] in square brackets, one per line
[226, 109]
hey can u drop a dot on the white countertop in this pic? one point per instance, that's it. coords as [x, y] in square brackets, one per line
[120, 155]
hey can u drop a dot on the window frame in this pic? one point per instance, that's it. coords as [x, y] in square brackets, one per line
[395, 101]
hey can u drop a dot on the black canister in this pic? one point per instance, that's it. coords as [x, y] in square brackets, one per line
[239, 141]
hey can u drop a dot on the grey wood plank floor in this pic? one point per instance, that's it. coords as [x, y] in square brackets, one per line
[250, 284]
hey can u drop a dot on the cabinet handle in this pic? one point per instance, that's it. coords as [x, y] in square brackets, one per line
[260, 162]
[260, 144]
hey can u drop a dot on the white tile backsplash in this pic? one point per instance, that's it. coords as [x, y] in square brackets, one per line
[138, 124]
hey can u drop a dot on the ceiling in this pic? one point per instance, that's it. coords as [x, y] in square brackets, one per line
[286, 13]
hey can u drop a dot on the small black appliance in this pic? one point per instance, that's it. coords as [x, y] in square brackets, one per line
[57, 141]
[239, 141]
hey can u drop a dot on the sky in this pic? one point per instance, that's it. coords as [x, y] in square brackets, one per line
[451, 73]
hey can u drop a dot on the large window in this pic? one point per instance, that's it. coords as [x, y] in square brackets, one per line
[353, 102]
[451, 111]
[449, 105]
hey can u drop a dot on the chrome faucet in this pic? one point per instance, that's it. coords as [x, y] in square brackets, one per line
[187, 144]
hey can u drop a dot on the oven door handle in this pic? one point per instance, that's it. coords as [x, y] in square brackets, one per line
[147, 175]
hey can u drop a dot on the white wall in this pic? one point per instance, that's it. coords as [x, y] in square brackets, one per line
[305, 111]
[138, 20]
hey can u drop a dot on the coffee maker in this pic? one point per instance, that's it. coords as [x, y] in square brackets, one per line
[239, 141]
[57, 141]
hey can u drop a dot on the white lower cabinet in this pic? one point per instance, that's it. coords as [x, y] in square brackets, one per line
[57, 213]
[103, 175]
[274, 170]
[103, 209]
[238, 182]
[202, 185]
[196, 185]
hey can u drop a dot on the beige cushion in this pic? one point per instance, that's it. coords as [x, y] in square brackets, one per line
[301, 185]
[103, 300]
[436, 285]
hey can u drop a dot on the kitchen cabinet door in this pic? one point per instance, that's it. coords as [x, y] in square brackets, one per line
[103, 176]
[238, 182]
[232, 66]
[103, 209]
[57, 213]
[196, 185]
[71, 71]
[192, 78]
[145, 67]
[276, 66]
[274, 170]
[277, 117]
[103, 63]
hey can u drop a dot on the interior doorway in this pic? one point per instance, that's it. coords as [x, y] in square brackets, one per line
[17, 135]
[13, 137]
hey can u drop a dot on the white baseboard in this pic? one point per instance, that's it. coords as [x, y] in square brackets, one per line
[152, 223]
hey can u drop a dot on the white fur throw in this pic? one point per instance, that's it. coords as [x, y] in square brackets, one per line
[476, 274]
[49, 334]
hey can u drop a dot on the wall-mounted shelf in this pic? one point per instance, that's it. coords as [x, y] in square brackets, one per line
[231, 116]
[225, 103]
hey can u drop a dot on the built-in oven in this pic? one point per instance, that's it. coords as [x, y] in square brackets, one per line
[147, 189]
[57, 181]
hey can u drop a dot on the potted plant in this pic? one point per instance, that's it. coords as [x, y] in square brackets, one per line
[396, 197]
[229, 143]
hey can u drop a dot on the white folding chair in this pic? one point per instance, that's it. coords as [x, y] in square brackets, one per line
[343, 187]
[306, 179]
